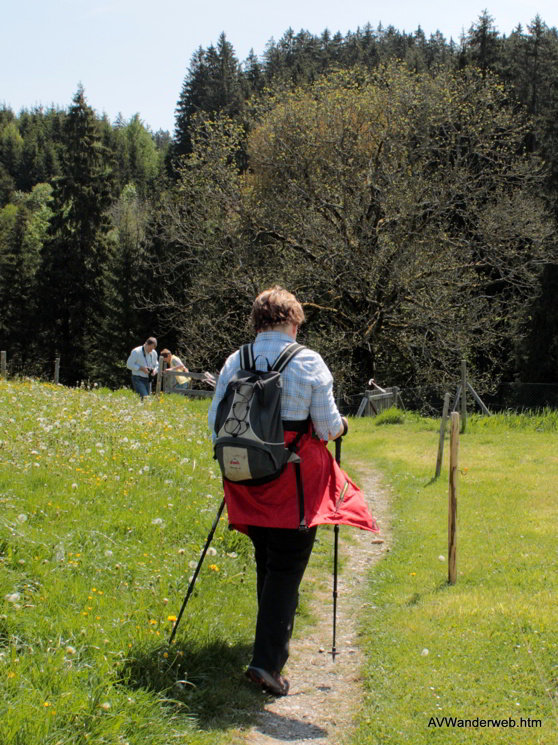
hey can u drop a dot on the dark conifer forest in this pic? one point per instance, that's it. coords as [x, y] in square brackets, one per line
[404, 187]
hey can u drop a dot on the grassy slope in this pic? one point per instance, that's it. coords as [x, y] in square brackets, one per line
[492, 639]
[104, 504]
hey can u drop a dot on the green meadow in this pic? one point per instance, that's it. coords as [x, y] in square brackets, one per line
[106, 503]
[485, 650]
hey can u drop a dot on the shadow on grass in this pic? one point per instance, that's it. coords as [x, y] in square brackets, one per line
[433, 480]
[202, 681]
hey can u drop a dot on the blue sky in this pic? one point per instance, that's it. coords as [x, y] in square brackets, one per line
[132, 55]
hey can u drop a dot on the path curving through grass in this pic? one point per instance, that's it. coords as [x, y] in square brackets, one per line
[325, 695]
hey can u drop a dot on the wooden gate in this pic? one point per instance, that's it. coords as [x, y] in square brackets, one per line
[374, 402]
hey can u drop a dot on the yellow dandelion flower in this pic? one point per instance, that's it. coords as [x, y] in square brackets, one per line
[171, 618]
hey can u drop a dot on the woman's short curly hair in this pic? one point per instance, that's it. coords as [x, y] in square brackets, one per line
[275, 307]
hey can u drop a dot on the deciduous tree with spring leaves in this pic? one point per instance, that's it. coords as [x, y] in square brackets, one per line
[402, 209]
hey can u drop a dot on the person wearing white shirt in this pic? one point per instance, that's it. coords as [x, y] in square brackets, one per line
[144, 365]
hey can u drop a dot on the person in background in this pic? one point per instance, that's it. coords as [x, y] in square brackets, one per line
[144, 365]
[175, 365]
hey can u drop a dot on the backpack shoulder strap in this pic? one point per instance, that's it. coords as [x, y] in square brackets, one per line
[286, 356]
[246, 357]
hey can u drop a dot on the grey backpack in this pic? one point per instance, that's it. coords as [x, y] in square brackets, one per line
[250, 444]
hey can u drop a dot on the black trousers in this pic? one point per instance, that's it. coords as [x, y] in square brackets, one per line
[281, 558]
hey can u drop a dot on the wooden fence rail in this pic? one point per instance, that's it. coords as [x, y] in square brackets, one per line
[166, 377]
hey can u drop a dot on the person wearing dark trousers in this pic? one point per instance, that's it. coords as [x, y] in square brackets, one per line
[270, 513]
[281, 557]
[144, 365]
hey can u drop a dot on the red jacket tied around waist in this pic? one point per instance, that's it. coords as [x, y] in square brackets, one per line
[330, 497]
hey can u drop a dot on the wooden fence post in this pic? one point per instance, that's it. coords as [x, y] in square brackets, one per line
[442, 435]
[478, 399]
[463, 395]
[162, 366]
[3, 365]
[57, 370]
[452, 501]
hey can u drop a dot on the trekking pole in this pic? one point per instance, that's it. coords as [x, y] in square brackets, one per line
[200, 562]
[335, 554]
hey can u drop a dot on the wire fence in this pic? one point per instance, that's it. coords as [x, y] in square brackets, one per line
[426, 400]
[429, 401]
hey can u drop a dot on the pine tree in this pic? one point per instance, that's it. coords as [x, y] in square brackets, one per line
[23, 228]
[75, 258]
[483, 44]
[253, 74]
[190, 102]
[212, 85]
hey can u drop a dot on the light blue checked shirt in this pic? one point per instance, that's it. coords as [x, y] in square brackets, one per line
[140, 358]
[307, 384]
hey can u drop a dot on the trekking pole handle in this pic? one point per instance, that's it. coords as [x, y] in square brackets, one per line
[338, 440]
[338, 450]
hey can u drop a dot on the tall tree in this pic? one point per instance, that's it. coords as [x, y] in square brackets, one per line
[212, 85]
[75, 258]
[404, 214]
[23, 228]
[483, 43]
[205, 271]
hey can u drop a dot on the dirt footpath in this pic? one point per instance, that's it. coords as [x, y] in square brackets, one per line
[324, 695]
